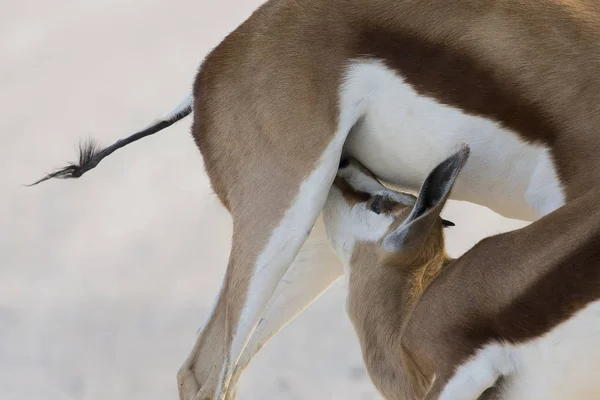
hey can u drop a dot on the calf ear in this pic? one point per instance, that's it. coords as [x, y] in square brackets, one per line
[413, 231]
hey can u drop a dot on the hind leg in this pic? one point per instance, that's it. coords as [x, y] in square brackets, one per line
[270, 226]
[313, 271]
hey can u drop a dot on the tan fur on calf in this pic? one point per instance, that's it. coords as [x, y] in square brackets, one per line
[420, 315]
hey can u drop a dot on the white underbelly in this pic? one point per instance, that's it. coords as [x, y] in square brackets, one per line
[402, 135]
[560, 365]
[563, 365]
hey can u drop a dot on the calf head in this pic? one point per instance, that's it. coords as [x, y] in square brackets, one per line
[391, 244]
[366, 220]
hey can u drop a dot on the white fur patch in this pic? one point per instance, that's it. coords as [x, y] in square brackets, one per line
[563, 364]
[347, 225]
[544, 192]
[402, 136]
[480, 373]
[314, 269]
[187, 102]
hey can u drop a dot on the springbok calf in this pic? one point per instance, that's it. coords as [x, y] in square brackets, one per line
[522, 306]
[397, 85]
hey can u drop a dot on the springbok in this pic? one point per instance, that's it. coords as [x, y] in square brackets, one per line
[397, 85]
[523, 306]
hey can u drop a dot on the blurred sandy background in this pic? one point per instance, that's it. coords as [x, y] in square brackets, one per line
[105, 281]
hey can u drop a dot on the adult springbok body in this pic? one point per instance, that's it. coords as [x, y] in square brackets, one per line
[516, 317]
[397, 85]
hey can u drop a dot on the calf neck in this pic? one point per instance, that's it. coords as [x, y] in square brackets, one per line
[517, 316]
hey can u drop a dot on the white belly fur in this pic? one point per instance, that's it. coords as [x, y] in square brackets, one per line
[401, 135]
[560, 365]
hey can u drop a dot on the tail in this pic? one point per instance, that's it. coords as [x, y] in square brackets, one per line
[90, 154]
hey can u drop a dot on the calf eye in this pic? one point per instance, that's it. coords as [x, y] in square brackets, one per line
[376, 204]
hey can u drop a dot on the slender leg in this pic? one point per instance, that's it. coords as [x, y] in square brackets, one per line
[313, 271]
[262, 250]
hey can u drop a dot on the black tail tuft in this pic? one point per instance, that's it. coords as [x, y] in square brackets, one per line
[90, 154]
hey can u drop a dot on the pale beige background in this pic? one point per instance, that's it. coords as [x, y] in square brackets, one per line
[104, 281]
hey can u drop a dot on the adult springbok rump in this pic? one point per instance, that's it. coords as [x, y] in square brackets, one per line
[521, 307]
[397, 85]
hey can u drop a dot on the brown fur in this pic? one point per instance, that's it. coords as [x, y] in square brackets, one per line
[383, 289]
[512, 288]
[266, 101]
[529, 65]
